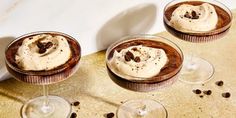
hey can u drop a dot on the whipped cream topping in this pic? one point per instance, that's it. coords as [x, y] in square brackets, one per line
[188, 18]
[139, 61]
[43, 52]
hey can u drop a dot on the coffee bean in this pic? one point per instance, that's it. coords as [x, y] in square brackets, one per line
[226, 95]
[40, 45]
[220, 83]
[42, 50]
[194, 15]
[76, 103]
[134, 49]
[128, 56]
[208, 92]
[110, 115]
[137, 59]
[73, 115]
[48, 45]
[197, 91]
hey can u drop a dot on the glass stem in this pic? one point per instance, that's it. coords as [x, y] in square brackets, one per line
[191, 55]
[45, 108]
[142, 111]
[45, 94]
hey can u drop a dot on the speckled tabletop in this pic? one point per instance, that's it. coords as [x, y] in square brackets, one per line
[98, 95]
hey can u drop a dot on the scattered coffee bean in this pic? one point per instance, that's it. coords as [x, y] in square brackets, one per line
[73, 115]
[110, 115]
[220, 83]
[197, 91]
[208, 92]
[76, 103]
[226, 95]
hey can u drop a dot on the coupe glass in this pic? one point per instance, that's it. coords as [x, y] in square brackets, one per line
[197, 70]
[145, 108]
[46, 106]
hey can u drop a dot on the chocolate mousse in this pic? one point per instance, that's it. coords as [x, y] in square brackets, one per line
[143, 63]
[197, 21]
[43, 57]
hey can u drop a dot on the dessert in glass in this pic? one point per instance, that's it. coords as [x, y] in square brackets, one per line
[197, 21]
[43, 58]
[143, 63]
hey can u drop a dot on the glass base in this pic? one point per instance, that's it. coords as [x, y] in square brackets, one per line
[196, 70]
[142, 108]
[57, 108]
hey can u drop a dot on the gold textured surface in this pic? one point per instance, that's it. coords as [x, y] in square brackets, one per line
[98, 95]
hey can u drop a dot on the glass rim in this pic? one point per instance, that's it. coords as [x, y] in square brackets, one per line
[40, 72]
[211, 32]
[143, 37]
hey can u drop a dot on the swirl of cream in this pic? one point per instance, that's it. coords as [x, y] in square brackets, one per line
[189, 18]
[43, 52]
[139, 61]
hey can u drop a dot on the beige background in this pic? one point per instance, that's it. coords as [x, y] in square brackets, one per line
[98, 95]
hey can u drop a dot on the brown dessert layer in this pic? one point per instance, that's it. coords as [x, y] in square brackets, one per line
[43, 76]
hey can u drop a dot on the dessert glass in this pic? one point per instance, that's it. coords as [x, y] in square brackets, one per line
[47, 105]
[197, 70]
[147, 108]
